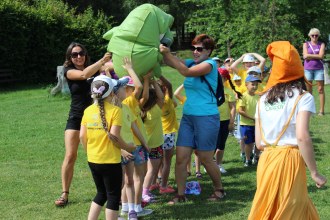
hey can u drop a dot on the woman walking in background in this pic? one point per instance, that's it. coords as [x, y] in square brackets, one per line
[313, 52]
[282, 132]
[76, 70]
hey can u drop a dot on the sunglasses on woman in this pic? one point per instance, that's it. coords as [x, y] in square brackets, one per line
[199, 49]
[80, 53]
[315, 35]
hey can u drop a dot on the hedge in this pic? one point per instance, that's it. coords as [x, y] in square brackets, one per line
[35, 35]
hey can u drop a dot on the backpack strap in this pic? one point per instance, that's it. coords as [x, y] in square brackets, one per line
[286, 125]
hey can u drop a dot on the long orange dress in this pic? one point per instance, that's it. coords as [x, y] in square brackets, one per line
[282, 183]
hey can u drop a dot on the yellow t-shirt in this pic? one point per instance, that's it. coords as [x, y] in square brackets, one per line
[100, 149]
[128, 117]
[224, 109]
[133, 104]
[169, 121]
[250, 104]
[153, 125]
[261, 87]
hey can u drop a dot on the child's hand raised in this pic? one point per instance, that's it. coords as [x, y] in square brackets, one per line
[127, 63]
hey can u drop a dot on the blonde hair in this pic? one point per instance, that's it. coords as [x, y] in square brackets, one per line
[314, 31]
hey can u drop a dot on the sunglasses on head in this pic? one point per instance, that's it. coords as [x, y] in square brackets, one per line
[199, 49]
[80, 53]
[314, 35]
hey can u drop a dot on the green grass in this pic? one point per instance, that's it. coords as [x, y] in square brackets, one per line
[32, 150]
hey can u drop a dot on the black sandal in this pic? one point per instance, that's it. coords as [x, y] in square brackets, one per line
[61, 202]
[214, 197]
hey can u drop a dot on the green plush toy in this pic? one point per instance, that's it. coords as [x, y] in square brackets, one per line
[138, 38]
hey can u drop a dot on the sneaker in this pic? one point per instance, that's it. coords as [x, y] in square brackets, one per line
[255, 160]
[199, 175]
[132, 215]
[123, 213]
[248, 163]
[205, 170]
[147, 199]
[222, 170]
[243, 157]
[166, 190]
[144, 212]
[153, 187]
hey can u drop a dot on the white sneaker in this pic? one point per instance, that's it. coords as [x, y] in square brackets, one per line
[123, 213]
[144, 212]
[222, 170]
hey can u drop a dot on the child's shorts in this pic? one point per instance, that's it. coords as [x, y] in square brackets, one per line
[248, 134]
[169, 141]
[140, 156]
[156, 153]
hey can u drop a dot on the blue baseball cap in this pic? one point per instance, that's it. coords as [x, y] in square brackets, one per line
[252, 78]
[120, 83]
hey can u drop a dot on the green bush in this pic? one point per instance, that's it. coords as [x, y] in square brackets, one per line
[35, 36]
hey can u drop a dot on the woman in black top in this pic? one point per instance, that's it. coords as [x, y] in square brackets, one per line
[76, 70]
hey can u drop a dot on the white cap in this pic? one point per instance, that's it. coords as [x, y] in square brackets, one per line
[236, 77]
[111, 83]
[216, 58]
[254, 69]
[248, 59]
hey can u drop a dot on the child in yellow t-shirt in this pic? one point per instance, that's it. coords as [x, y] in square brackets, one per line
[100, 137]
[170, 127]
[227, 113]
[138, 164]
[151, 116]
[247, 108]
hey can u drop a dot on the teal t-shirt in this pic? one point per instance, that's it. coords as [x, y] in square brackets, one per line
[200, 100]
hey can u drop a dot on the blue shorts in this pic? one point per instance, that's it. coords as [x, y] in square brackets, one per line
[248, 134]
[317, 75]
[199, 132]
[140, 156]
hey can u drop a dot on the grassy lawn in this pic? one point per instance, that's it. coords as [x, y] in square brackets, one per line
[32, 150]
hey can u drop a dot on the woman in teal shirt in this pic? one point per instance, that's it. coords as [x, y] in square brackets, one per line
[199, 125]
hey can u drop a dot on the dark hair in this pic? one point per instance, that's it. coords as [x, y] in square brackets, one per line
[151, 102]
[239, 95]
[279, 91]
[68, 61]
[207, 41]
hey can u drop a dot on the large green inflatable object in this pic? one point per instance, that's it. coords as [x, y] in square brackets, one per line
[138, 37]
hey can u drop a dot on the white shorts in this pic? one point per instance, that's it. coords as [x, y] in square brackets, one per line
[169, 141]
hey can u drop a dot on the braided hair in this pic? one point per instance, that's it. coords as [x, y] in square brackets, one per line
[98, 89]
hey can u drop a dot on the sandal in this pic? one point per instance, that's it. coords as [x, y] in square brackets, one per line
[214, 197]
[178, 199]
[61, 202]
[321, 114]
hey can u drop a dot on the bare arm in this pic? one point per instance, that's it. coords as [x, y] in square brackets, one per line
[234, 65]
[261, 59]
[138, 134]
[258, 136]
[145, 93]
[318, 56]
[178, 95]
[232, 107]
[242, 112]
[114, 136]
[200, 69]
[306, 147]
[83, 137]
[89, 71]
[137, 83]
[159, 94]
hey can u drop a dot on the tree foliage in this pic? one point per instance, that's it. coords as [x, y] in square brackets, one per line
[241, 26]
[35, 35]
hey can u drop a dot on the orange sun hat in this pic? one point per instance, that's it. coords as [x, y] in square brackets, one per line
[287, 65]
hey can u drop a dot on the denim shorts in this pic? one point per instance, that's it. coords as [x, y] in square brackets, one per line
[140, 156]
[248, 134]
[317, 75]
[199, 132]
